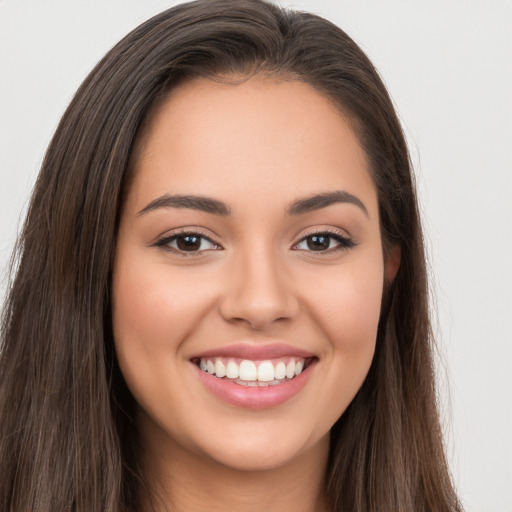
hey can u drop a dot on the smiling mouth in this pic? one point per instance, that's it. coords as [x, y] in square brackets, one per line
[254, 373]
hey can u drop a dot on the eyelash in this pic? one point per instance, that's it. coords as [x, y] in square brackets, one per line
[344, 242]
[165, 242]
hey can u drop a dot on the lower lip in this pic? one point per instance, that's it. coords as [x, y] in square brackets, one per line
[255, 397]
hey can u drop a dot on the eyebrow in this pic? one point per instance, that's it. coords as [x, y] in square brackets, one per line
[216, 207]
[318, 201]
[205, 204]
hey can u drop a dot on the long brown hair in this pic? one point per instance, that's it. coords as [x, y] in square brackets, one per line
[67, 436]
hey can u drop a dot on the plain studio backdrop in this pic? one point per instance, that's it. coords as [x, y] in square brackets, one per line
[448, 67]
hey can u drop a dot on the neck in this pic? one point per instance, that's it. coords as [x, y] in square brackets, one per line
[182, 481]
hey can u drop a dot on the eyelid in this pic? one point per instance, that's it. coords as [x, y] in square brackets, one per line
[345, 240]
[169, 236]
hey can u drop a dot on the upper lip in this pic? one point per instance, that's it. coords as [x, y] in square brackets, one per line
[255, 352]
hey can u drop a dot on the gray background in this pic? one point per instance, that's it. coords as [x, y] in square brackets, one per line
[448, 65]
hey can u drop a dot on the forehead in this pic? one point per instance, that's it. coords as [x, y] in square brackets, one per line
[249, 135]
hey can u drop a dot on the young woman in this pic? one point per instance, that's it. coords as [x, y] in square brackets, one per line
[220, 301]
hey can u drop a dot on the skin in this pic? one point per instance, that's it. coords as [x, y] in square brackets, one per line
[257, 146]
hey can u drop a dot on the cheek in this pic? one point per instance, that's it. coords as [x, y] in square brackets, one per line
[348, 314]
[348, 307]
[154, 306]
[153, 313]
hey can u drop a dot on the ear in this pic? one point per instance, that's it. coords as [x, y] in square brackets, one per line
[393, 263]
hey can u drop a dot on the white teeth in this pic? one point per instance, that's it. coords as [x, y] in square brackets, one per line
[280, 371]
[248, 370]
[252, 373]
[290, 369]
[231, 370]
[266, 372]
[220, 369]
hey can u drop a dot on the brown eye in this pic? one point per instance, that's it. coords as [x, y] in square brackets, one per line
[318, 242]
[324, 242]
[187, 243]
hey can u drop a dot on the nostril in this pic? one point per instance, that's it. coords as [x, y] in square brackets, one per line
[258, 294]
[258, 315]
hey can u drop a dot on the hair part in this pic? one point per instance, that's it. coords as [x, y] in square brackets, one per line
[68, 438]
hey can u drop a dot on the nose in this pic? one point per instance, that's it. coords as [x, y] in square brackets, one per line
[259, 291]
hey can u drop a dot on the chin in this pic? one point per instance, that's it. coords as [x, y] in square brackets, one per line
[265, 451]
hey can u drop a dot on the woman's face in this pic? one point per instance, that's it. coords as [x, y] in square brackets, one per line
[249, 251]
